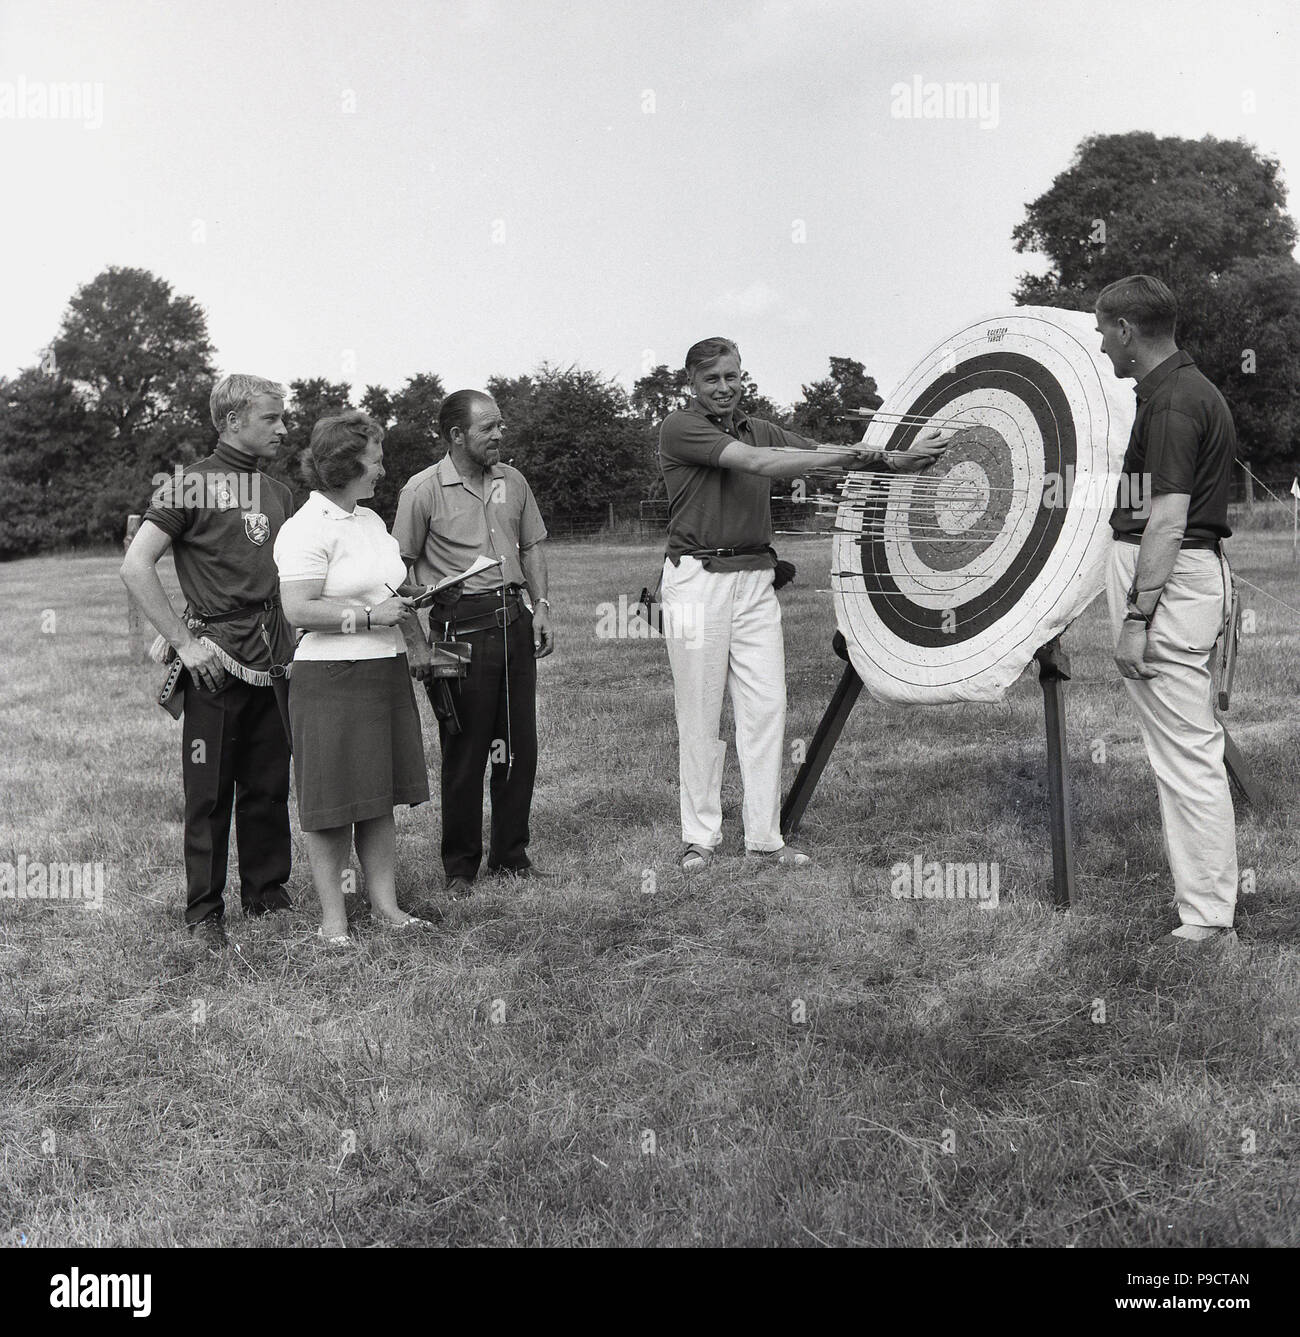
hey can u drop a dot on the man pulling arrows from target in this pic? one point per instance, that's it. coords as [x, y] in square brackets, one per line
[1168, 591]
[721, 618]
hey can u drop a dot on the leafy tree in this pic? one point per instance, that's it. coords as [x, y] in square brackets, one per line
[410, 443]
[752, 401]
[661, 390]
[514, 396]
[847, 387]
[417, 403]
[140, 358]
[1207, 216]
[55, 494]
[308, 400]
[575, 436]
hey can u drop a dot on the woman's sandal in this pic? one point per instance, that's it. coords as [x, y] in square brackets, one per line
[411, 921]
[695, 858]
[337, 939]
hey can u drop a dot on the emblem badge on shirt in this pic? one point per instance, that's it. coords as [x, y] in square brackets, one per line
[225, 501]
[257, 527]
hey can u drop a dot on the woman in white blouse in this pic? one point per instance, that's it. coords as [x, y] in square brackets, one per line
[357, 747]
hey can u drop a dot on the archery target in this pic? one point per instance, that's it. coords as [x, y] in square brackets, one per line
[947, 581]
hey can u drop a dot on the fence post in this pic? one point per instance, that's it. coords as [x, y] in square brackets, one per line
[1250, 489]
[139, 634]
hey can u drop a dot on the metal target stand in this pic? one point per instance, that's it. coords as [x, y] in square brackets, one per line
[1053, 670]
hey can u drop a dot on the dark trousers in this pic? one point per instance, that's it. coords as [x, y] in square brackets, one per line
[481, 704]
[236, 755]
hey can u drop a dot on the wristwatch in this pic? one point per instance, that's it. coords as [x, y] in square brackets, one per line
[540, 602]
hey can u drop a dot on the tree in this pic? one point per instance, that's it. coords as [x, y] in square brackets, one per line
[753, 401]
[656, 394]
[514, 396]
[55, 496]
[411, 440]
[1208, 217]
[575, 436]
[139, 357]
[308, 400]
[847, 387]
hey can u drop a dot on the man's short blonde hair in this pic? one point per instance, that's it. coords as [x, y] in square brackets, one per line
[233, 394]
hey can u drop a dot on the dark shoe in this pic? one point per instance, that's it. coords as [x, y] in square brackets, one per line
[459, 888]
[529, 871]
[695, 858]
[274, 900]
[211, 932]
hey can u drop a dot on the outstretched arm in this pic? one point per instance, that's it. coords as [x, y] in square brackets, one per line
[791, 462]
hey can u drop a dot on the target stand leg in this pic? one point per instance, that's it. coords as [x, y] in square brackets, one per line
[1239, 773]
[1053, 670]
[824, 740]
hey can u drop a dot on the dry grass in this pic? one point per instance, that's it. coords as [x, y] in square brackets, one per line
[499, 1080]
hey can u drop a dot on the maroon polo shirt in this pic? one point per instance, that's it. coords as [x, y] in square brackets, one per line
[713, 507]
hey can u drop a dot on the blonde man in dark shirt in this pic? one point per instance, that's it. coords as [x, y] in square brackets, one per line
[220, 517]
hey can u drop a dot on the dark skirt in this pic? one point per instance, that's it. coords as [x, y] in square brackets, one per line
[357, 747]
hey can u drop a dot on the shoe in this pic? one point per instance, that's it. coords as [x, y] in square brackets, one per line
[211, 932]
[695, 858]
[271, 903]
[402, 925]
[1198, 936]
[528, 872]
[336, 939]
[787, 856]
[459, 888]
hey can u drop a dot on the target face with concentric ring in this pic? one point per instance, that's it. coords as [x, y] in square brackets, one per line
[947, 581]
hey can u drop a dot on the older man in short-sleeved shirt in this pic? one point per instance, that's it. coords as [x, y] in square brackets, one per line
[470, 505]
[445, 521]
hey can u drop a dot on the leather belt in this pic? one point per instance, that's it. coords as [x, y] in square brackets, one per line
[493, 595]
[1211, 544]
[498, 617]
[265, 606]
[749, 550]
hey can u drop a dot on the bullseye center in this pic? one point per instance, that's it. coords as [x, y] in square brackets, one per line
[962, 497]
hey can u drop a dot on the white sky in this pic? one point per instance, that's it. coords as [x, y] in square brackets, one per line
[227, 164]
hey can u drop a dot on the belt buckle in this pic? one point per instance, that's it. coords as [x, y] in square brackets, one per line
[501, 616]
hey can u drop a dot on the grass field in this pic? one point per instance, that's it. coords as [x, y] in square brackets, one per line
[750, 1058]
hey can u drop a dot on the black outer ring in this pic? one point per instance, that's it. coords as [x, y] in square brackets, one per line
[1016, 374]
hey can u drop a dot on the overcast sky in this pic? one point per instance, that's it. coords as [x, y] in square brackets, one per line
[367, 191]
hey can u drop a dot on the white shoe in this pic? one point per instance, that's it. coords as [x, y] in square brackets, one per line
[1199, 935]
[787, 856]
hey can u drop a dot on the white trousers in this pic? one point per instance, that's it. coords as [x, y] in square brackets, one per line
[1183, 736]
[723, 630]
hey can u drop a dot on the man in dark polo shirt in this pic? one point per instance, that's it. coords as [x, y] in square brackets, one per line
[220, 517]
[466, 506]
[1167, 589]
[721, 618]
